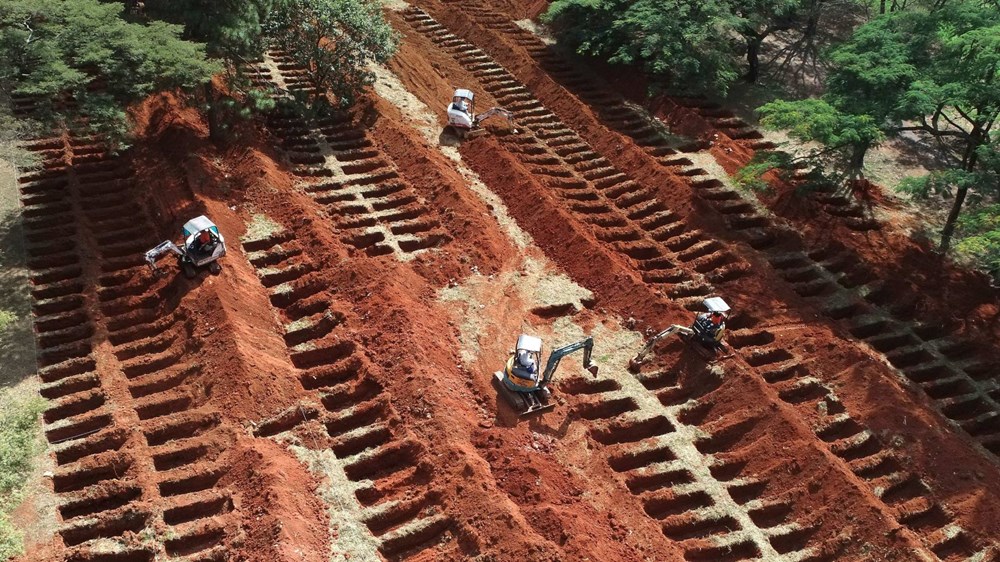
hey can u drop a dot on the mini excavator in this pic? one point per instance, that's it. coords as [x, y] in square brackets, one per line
[462, 117]
[520, 383]
[706, 334]
[202, 247]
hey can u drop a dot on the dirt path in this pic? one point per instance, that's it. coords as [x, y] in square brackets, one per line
[16, 343]
[35, 518]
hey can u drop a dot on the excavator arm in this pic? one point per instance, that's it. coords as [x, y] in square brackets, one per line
[641, 356]
[495, 111]
[159, 250]
[586, 345]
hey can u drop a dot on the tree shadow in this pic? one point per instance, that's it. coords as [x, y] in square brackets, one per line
[17, 342]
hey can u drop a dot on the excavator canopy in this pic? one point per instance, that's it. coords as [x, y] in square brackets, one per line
[198, 224]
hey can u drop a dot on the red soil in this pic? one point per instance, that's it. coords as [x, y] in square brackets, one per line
[584, 481]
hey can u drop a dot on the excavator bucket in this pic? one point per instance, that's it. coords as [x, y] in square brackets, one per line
[524, 403]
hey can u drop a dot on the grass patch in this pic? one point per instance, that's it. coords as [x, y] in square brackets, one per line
[20, 441]
[6, 317]
[260, 227]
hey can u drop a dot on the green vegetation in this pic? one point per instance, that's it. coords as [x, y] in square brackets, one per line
[681, 43]
[6, 317]
[932, 70]
[86, 61]
[925, 69]
[751, 176]
[20, 441]
[979, 238]
[84, 51]
[687, 45]
[336, 40]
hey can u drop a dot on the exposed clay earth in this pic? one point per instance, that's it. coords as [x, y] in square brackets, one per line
[328, 396]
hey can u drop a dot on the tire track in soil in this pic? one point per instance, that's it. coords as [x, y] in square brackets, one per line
[134, 446]
[962, 383]
[392, 479]
[378, 211]
[557, 152]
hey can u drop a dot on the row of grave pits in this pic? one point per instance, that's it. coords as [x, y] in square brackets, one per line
[73, 204]
[622, 213]
[866, 454]
[394, 479]
[376, 210]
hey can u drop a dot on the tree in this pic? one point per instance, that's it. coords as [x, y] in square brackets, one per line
[931, 68]
[958, 102]
[688, 44]
[845, 137]
[870, 73]
[756, 20]
[233, 30]
[336, 41]
[79, 58]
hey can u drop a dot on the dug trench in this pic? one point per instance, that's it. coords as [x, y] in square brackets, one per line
[411, 417]
[395, 412]
[329, 334]
[868, 224]
[494, 75]
[143, 422]
[844, 271]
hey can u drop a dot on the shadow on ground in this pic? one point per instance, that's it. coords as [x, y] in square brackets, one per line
[17, 347]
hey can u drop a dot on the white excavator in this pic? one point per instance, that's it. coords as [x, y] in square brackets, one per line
[202, 247]
[707, 334]
[520, 382]
[462, 117]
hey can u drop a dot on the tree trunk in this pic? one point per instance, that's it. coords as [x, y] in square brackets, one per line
[881, 7]
[969, 160]
[856, 165]
[753, 58]
[216, 119]
[949, 225]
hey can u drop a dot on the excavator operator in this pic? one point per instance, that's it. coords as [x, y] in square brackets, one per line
[525, 366]
[709, 328]
[203, 241]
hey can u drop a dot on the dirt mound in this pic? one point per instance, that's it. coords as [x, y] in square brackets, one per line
[329, 394]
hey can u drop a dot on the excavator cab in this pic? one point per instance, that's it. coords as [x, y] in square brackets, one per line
[461, 111]
[709, 328]
[523, 383]
[524, 366]
[202, 246]
[201, 240]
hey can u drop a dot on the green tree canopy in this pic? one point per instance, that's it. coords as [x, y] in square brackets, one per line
[846, 137]
[335, 40]
[232, 29]
[687, 44]
[82, 50]
[933, 69]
